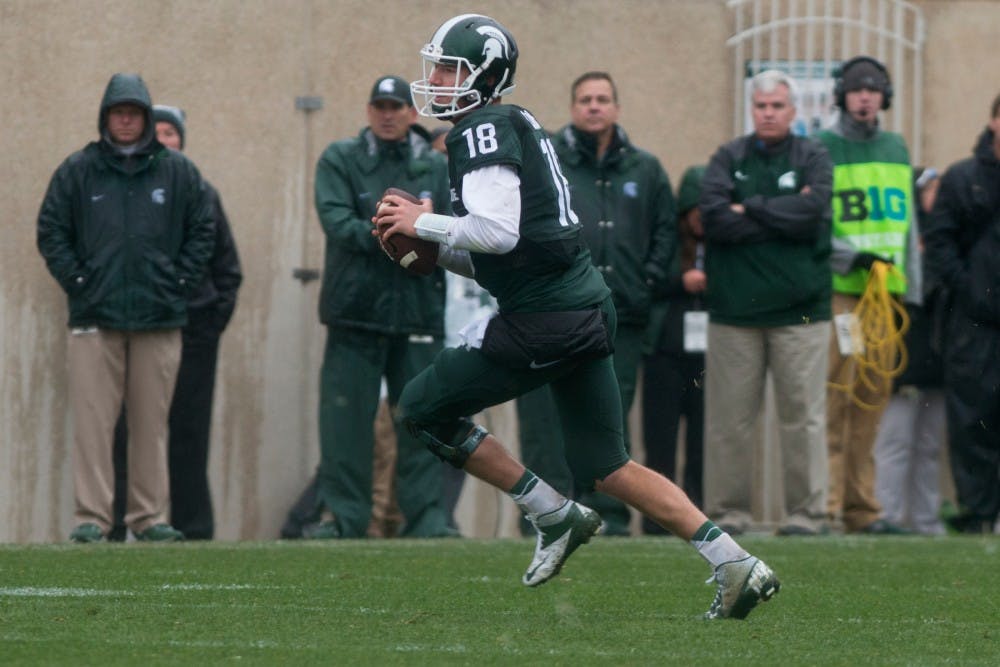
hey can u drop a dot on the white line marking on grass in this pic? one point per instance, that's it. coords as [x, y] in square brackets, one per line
[425, 648]
[260, 643]
[32, 592]
[212, 587]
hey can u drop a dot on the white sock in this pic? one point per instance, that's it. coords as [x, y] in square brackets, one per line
[721, 548]
[541, 500]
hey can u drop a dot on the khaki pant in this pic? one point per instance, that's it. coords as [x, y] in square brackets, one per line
[737, 362]
[105, 367]
[851, 432]
[386, 517]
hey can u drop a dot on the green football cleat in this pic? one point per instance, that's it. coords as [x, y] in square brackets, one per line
[741, 585]
[86, 533]
[557, 541]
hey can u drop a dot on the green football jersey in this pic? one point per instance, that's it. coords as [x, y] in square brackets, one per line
[550, 268]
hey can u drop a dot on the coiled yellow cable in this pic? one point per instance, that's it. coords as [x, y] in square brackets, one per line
[880, 351]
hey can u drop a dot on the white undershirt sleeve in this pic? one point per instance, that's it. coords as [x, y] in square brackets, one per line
[492, 196]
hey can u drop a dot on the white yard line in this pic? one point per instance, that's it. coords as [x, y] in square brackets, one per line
[33, 592]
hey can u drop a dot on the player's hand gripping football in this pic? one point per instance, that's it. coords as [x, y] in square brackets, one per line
[397, 212]
[395, 219]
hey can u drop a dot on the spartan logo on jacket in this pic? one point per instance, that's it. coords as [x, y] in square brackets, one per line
[787, 181]
[158, 196]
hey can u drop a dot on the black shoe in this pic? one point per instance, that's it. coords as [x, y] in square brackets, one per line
[731, 528]
[969, 524]
[883, 527]
[650, 527]
[795, 530]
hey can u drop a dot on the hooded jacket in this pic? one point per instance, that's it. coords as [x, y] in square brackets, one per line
[962, 241]
[362, 288]
[626, 207]
[127, 234]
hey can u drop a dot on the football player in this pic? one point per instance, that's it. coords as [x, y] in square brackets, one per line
[515, 233]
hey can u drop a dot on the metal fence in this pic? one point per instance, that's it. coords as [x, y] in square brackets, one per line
[810, 38]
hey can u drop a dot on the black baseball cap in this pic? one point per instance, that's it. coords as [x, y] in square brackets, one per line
[391, 88]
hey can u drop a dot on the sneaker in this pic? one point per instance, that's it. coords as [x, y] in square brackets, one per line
[323, 530]
[160, 532]
[883, 527]
[556, 542]
[742, 584]
[799, 530]
[86, 533]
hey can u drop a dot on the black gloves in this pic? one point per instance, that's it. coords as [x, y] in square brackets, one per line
[864, 260]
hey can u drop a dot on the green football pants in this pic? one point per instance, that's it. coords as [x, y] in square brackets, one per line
[463, 382]
[542, 449]
[354, 364]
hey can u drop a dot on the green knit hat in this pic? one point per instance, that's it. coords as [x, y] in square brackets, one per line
[690, 190]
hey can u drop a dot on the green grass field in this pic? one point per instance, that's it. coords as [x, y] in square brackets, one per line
[844, 601]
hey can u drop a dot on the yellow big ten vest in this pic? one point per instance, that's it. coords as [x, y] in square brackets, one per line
[873, 204]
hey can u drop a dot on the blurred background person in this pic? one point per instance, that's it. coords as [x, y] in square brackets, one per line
[962, 249]
[126, 228]
[209, 310]
[873, 221]
[912, 432]
[765, 206]
[383, 323]
[673, 379]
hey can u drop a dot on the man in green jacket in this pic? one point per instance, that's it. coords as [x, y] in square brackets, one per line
[765, 205]
[873, 209]
[382, 322]
[625, 203]
[126, 228]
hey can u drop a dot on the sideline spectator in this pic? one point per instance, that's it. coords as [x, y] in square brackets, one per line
[963, 244]
[126, 228]
[209, 311]
[869, 163]
[912, 432]
[765, 205]
[381, 322]
[674, 369]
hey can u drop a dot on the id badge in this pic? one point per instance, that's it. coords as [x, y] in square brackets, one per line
[695, 331]
[848, 334]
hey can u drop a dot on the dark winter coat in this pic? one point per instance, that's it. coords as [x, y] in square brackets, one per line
[770, 265]
[212, 304]
[962, 242]
[626, 207]
[127, 236]
[363, 288]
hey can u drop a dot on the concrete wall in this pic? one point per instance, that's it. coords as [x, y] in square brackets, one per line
[237, 66]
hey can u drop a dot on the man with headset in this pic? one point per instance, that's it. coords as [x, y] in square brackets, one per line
[873, 221]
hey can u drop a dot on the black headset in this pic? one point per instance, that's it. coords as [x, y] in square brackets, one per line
[840, 95]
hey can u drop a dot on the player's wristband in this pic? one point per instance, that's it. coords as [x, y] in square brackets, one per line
[434, 227]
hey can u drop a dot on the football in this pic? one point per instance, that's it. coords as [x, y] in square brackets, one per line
[418, 256]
